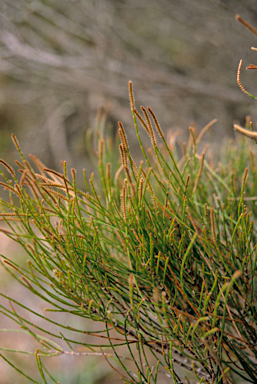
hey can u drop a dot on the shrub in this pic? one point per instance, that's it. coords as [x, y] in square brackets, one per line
[162, 254]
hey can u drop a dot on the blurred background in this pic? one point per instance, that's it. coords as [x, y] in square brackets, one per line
[60, 60]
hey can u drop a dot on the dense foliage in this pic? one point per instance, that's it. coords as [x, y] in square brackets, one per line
[163, 254]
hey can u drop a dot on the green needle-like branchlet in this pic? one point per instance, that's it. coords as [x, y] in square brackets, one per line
[162, 255]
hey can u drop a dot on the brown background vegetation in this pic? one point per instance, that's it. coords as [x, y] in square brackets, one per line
[61, 59]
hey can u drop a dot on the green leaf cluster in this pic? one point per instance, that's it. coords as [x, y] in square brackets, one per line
[162, 254]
